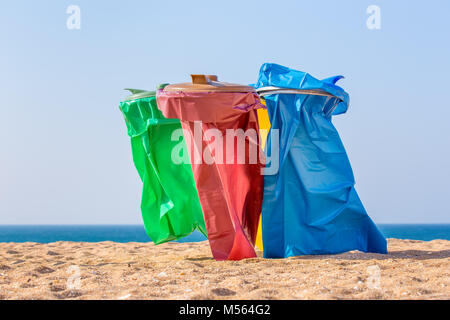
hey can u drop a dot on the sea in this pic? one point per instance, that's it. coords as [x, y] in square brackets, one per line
[136, 233]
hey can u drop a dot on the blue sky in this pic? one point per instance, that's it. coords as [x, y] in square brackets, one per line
[64, 153]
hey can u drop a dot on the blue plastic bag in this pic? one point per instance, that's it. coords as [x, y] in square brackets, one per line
[311, 206]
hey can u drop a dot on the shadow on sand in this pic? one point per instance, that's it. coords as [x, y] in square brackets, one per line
[402, 254]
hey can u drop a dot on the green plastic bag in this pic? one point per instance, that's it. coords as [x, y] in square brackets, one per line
[170, 205]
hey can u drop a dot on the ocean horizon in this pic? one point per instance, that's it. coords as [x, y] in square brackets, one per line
[136, 233]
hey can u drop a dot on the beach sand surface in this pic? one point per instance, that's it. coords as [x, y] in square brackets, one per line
[109, 270]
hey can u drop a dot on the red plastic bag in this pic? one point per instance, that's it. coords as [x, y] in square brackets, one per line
[229, 182]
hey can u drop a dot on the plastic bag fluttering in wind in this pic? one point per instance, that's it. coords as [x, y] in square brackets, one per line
[264, 127]
[170, 205]
[230, 192]
[310, 206]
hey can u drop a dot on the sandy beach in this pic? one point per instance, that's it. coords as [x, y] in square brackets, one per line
[108, 270]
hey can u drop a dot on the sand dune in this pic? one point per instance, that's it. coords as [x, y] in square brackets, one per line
[108, 270]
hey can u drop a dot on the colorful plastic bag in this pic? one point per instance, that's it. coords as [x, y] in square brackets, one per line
[170, 205]
[310, 206]
[230, 193]
[264, 127]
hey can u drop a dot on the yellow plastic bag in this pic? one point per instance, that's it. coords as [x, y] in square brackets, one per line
[264, 127]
